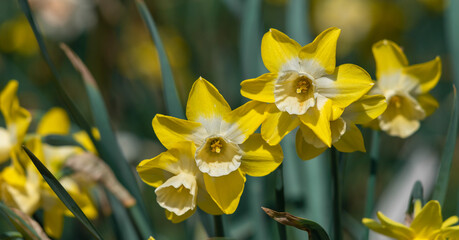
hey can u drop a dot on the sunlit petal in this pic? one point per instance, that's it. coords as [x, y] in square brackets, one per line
[323, 49]
[226, 190]
[278, 49]
[259, 158]
[260, 88]
[277, 125]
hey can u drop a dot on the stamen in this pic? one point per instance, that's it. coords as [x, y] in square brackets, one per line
[396, 100]
[216, 146]
[302, 85]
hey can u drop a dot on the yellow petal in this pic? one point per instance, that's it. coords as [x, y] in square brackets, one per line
[379, 228]
[83, 138]
[240, 123]
[426, 74]
[365, 109]
[428, 219]
[259, 158]
[157, 170]
[305, 150]
[351, 140]
[428, 103]
[206, 203]
[260, 88]
[450, 221]
[176, 219]
[318, 120]
[389, 58]
[277, 125]
[398, 230]
[226, 190]
[323, 49]
[55, 121]
[170, 130]
[347, 84]
[278, 49]
[5, 146]
[178, 194]
[205, 102]
[54, 222]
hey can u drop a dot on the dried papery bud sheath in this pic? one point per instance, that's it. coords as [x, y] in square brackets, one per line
[92, 167]
[315, 231]
[32, 223]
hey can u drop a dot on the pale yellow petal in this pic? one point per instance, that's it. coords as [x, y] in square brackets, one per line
[5, 145]
[305, 150]
[206, 203]
[226, 190]
[428, 220]
[240, 123]
[389, 58]
[428, 103]
[425, 74]
[365, 109]
[205, 102]
[157, 170]
[176, 219]
[260, 88]
[351, 140]
[277, 125]
[347, 84]
[277, 49]
[55, 121]
[260, 158]
[178, 194]
[170, 130]
[323, 49]
[401, 117]
[318, 120]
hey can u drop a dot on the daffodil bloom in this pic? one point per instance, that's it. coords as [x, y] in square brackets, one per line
[226, 148]
[346, 136]
[427, 224]
[405, 87]
[17, 121]
[179, 184]
[304, 86]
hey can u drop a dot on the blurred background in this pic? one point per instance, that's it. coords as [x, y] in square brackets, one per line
[220, 41]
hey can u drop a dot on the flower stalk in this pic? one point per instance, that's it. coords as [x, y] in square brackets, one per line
[336, 195]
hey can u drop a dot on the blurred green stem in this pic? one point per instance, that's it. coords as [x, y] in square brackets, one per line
[280, 199]
[374, 156]
[141, 226]
[219, 231]
[336, 195]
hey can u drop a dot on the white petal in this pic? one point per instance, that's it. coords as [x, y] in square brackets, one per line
[287, 99]
[178, 194]
[5, 145]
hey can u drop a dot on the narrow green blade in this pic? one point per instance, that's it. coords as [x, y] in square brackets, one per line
[26, 230]
[315, 231]
[441, 185]
[62, 194]
[417, 193]
[173, 105]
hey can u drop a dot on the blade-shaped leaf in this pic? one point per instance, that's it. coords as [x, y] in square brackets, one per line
[441, 185]
[61, 140]
[173, 105]
[62, 194]
[315, 231]
[417, 193]
[28, 227]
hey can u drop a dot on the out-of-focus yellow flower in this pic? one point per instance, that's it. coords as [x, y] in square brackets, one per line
[17, 121]
[179, 183]
[226, 148]
[304, 86]
[427, 224]
[346, 136]
[405, 87]
[16, 36]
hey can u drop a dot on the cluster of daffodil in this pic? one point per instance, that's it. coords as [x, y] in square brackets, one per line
[209, 154]
[21, 186]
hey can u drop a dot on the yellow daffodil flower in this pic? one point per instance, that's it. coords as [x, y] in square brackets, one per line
[17, 121]
[179, 183]
[304, 86]
[405, 87]
[427, 224]
[346, 136]
[226, 148]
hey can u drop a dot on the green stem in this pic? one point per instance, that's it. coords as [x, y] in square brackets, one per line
[218, 226]
[280, 199]
[336, 195]
[141, 226]
[374, 156]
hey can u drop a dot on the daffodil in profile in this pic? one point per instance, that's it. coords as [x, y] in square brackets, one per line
[346, 136]
[427, 224]
[406, 88]
[304, 85]
[226, 148]
[179, 184]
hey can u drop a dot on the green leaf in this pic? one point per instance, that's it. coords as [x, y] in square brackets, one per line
[441, 185]
[62, 194]
[417, 193]
[23, 223]
[173, 105]
[61, 140]
[315, 231]
[297, 22]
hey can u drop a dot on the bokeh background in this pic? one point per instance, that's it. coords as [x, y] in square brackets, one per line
[220, 41]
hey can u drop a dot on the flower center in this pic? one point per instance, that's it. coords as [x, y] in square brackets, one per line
[396, 101]
[215, 145]
[302, 85]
